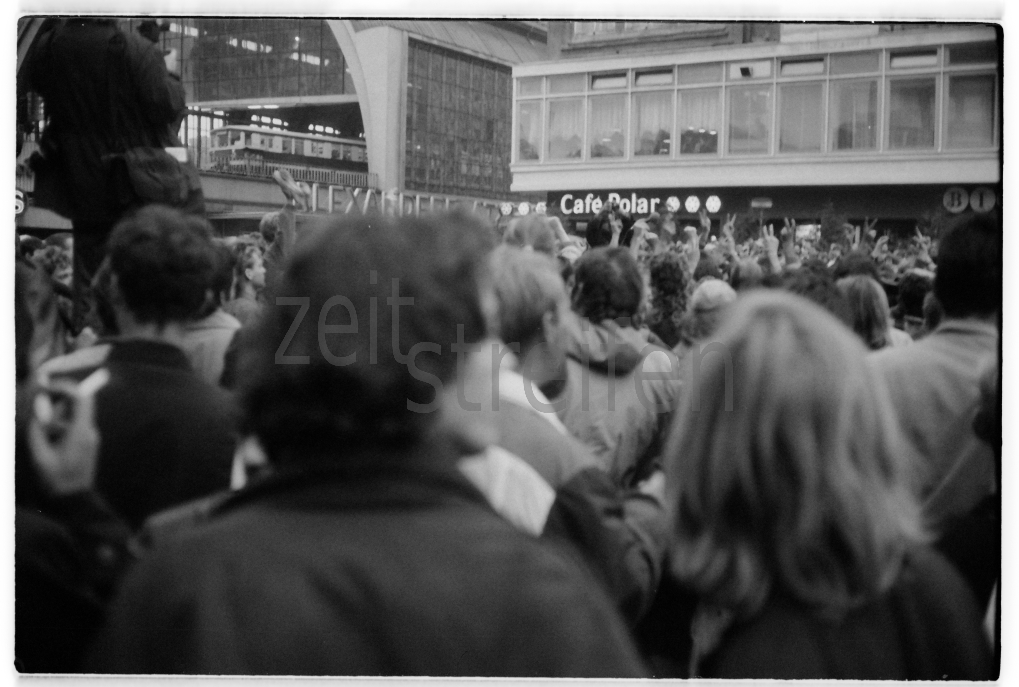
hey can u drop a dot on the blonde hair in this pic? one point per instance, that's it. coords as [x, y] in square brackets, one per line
[798, 484]
[868, 304]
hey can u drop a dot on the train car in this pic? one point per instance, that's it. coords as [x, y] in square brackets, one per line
[236, 144]
[895, 123]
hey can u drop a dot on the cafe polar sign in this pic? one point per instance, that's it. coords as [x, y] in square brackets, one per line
[592, 204]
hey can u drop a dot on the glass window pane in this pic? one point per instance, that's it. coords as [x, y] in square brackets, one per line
[655, 78]
[801, 117]
[603, 81]
[971, 111]
[911, 114]
[700, 118]
[566, 83]
[528, 130]
[529, 86]
[699, 73]
[749, 119]
[652, 123]
[974, 53]
[854, 62]
[802, 67]
[565, 128]
[853, 115]
[915, 58]
[608, 122]
[749, 70]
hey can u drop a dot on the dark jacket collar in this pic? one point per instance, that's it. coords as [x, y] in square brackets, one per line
[147, 352]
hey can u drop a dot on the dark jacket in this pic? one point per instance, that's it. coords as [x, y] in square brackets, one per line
[105, 91]
[167, 435]
[927, 627]
[68, 555]
[398, 567]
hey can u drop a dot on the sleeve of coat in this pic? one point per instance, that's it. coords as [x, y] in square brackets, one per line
[160, 93]
[621, 535]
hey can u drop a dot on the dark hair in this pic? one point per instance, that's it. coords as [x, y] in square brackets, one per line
[707, 266]
[607, 284]
[968, 278]
[670, 277]
[345, 271]
[222, 278]
[856, 262]
[912, 290]
[30, 244]
[164, 262]
[599, 230]
[821, 289]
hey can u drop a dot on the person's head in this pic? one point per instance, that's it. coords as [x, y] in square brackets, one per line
[709, 304]
[707, 267]
[607, 285]
[61, 239]
[819, 288]
[670, 278]
[868, 305]
[913, 288]
[745, 274]
[269, 226]
[161, 265]
[599, 230]
[222, 279]
[856, 262]
[322, 378]
[29, 245]
[533, 232]
[249, 266]
[968, 278]
[532, 303]
[786, 470]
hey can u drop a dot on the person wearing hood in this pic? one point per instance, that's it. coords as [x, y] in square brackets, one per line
[618, 389]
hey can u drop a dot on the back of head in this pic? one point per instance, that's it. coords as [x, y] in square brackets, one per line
[746, 274]
[856, 262]
[819, 288]
[599, 231]
[913, 289]
[708, 267]
[164, 263]
[607, 285]
[531, 231]
[334, 366]
[968, 278]
[787, 472]
[670, 277]
[868, 305]
[527, 285]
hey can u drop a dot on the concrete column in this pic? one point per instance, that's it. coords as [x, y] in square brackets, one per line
[377, 59]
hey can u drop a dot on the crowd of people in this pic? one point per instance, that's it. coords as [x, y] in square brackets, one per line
[432, 446]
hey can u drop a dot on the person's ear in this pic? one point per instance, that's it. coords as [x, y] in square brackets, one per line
[248, 272]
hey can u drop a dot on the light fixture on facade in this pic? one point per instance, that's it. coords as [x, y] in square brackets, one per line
[692, 204]
[713, 204]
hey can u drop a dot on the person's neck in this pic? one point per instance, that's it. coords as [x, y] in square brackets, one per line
[130, 328]
[249, 291]
[545, 372]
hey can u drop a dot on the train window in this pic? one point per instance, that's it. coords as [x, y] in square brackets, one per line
[285, 144]
[974, 53]
[854, 63]
[749, 119]
[914, 58]
[247, 138]
[567, 83]
[222, 140]
[691, 74]
[971, 111]
[911, 113]
[700, 119]
[235, 137]
[800, 117]
[853, 115]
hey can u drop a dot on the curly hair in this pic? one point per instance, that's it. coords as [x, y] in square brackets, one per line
[164, 261]
[607, 285]
[670, 280]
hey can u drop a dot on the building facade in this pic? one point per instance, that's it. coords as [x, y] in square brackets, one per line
[892, 121]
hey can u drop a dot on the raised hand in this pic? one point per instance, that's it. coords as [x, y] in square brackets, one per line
[770, 241]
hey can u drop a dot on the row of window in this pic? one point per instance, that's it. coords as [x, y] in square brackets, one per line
[856, 105]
